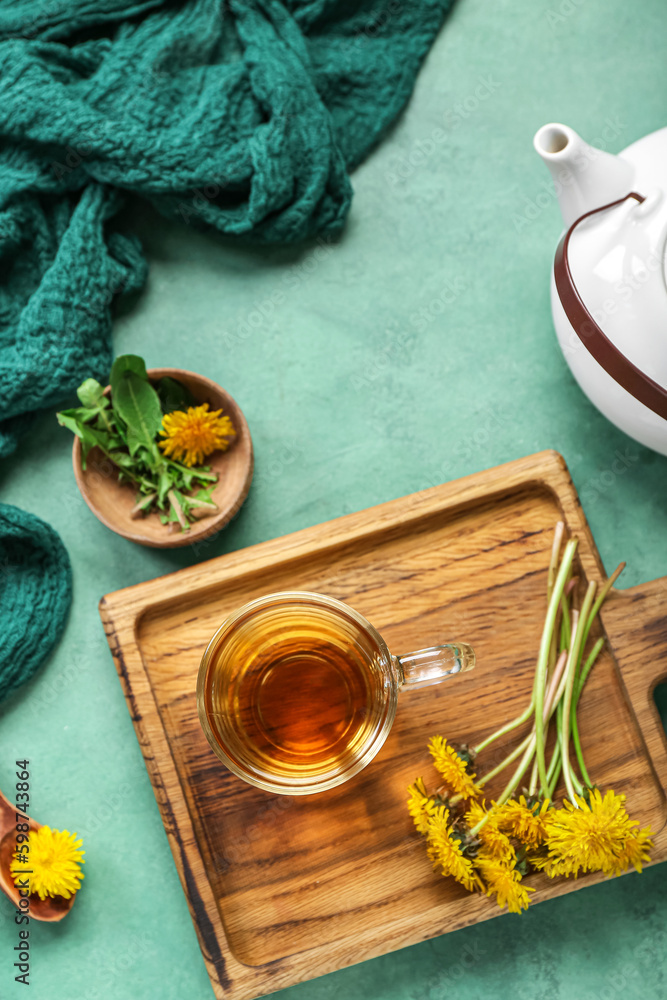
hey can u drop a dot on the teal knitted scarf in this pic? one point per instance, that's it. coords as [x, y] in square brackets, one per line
[242, 116]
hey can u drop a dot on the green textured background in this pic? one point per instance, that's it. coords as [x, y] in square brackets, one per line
[351, 404]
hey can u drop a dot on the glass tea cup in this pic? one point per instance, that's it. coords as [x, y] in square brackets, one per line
[297, 692]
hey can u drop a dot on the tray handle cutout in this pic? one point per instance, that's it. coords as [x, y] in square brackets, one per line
[635, 621]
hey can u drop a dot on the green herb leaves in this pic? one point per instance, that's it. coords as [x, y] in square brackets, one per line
[136, 402]
[125, 428]
[91, 394]
[92, 423]
[122, 366]
[173, 395]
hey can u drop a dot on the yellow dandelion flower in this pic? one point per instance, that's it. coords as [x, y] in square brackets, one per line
[588, 837]
[445, 851]
[476, 813]
[453, 768]
[635, 853]
[495, 843]
[526, 823]
[194, 433]
[420, 806]
[55, 863]
[504, 881]
[553, 867]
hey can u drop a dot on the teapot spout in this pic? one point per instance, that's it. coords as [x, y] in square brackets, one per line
[585, 178]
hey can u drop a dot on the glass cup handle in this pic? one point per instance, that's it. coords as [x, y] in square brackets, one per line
[430, 666]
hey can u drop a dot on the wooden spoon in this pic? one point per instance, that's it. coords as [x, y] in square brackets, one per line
[50, 909]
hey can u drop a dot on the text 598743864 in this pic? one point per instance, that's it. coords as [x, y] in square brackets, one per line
[22, 882]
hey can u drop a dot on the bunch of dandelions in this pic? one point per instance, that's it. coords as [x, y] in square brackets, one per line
[492, 848]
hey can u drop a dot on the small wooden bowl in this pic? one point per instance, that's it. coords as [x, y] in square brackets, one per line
[111, 501]
[51, 909]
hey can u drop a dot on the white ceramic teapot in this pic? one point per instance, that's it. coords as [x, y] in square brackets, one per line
[608, 293]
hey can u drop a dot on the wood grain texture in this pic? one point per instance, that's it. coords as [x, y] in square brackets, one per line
[284, 889]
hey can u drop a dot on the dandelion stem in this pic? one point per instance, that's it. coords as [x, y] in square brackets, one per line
[177, 509]
[565, 627]
[579, 684]
[555, 552]
[551, 579]
[558, 750]
[506, 762]
[104, 417]
[142, 505]
[542, 661]
[550, 703]
[553, 774]
[205, 504]
[532, 788]
[211, 477]
[579, 621]
[556, 687]
[581, 680]
[519, 773]
[561, 686]
[558, 683]
[609, 583]
[513, 782]
[578, 787]
[524, 717]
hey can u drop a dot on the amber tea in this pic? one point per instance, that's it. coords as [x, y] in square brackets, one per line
[293, 691]
[297, 691]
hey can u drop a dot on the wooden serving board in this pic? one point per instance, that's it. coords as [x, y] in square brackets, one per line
[282, 889]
